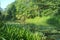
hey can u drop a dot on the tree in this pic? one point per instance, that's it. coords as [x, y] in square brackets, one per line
[1, 18]
[0, 14]
[27, 7]
[11, 10]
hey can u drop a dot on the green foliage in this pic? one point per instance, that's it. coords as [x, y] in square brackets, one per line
[54, 21]
[35, 12]
[32, 8]
[11, 12]
[27, 8]
[1, 18]
[18, 33]
[38, 20]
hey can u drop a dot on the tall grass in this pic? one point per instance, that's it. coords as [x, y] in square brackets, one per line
[18, 33]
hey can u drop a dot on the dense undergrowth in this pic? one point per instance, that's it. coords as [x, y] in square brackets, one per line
[30, 19]
[25, 31]
[15, 32]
